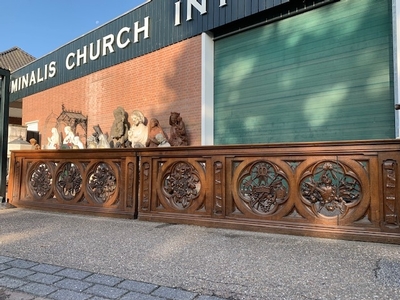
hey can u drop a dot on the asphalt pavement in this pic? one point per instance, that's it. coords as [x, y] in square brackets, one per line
[47, 255]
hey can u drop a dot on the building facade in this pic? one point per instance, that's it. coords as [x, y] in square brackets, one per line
[238, 72]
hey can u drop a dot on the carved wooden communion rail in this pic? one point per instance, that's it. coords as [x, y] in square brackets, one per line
[346, 190]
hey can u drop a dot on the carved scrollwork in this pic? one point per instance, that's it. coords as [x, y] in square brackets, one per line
[181, 185]
[263, 186]
[69, 181]
[102, 183]
[330, 188]
[41, 180]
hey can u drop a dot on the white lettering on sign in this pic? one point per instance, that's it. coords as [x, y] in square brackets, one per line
[144, 29]
[108, 44]
[34, 77]
[121, 44]
[97, 55]
[178, 13]
[200, 7]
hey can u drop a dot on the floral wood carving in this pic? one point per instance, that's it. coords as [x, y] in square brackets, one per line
[146, 183]
[390, 197]
[329, 188]
[263, 187]
[69, 181]
[218, 194]
[181, 185]
[41, 180]
[102, 183]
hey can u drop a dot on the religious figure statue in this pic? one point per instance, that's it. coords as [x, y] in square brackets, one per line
[77, 144]
[156, 135]
[69, 136]
[103, 141]
[138, 132]
[119, 129]
[54, 140]
[35, 145]
[177, 135]
[162, 140]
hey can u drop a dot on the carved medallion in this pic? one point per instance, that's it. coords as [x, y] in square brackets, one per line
[102, 183]
[263, 186]
[181, 185]
[69, 181]
[329, 188]
[41, 180]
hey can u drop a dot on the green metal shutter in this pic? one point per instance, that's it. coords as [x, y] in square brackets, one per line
[323, 75]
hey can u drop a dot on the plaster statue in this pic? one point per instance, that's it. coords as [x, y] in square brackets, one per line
[92, 142]
[103, 141]
[119, 129]
[177, 135]
[138, 132]
[35, 145]
[69, 135]
[98, 139]
[156, 134]
[77, 144]
[162, 140]
[54, 140]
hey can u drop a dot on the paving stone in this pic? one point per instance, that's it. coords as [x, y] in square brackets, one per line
[209, 298]
[175, 294]
[138, 296]
[106, 291]
[4, 259]
[17, 272]
[4, 267]
[73, 284]
[388, 272]
[37, 289]
[136, 286]
[104, 279]
[68, 295]
[21, 263]
[11, 283]
[45, 268]
[44, 278]
[73, 273]
[13, 295]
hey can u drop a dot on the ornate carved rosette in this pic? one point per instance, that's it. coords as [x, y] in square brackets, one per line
[181, 185]
[69, 181]
[329, 188]
[263, 186]
[40, 180]
[102, 183]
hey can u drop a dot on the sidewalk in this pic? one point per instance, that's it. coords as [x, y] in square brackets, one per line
[24, 279]
[45, 255]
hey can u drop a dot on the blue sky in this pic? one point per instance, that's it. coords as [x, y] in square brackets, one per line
[41, 26]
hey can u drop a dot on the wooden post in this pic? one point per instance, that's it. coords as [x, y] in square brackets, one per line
[4, 112]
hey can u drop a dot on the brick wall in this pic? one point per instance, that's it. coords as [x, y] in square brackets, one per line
[157, 83]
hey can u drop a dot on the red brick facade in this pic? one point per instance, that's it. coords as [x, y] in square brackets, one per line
[157, 83]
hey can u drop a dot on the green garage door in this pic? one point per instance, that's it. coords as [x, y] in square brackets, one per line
[323, 75]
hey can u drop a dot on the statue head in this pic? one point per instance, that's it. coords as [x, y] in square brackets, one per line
[154, 123]
[137, 117]
[174, 118]
[67, 129]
